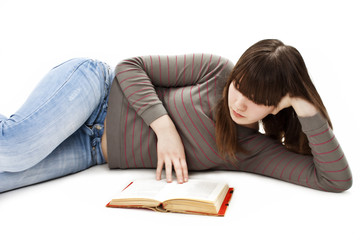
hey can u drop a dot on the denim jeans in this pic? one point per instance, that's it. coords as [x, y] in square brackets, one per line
[58, 130]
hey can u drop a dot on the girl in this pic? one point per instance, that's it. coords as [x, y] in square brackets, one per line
[185, 112]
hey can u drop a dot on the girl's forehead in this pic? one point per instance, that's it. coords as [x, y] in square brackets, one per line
[259, 91]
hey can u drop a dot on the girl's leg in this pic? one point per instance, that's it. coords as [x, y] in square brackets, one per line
[67, 97]
[71, 156]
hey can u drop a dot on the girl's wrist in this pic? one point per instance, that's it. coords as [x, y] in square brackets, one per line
[162, 125]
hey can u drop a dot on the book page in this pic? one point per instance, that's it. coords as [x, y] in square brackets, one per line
[143, 188]
[205, 190]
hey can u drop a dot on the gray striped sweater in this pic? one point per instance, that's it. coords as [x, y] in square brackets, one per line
[187, 88]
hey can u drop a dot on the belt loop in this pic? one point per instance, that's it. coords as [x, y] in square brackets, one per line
[88, 130]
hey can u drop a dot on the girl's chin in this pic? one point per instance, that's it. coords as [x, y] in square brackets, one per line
[239, 121]
[244, 123]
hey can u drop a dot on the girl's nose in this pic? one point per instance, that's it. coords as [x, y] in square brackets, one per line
[241, 104]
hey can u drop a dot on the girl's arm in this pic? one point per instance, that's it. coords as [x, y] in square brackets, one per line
[141, 80]
[326, 169]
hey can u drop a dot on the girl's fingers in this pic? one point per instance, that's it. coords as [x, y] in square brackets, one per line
[184, 169]
[180, 168]
[168, 170]
[179, 171]
[159, 169]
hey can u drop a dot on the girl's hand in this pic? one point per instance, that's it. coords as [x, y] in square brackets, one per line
[170, 150]
[302, 107]
[285, 102]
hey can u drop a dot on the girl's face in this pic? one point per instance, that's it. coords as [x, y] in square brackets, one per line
[244, 111]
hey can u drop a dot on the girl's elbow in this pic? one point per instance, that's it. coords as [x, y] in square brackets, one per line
[339, 186]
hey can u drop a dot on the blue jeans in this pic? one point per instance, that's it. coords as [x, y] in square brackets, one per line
[58, 130]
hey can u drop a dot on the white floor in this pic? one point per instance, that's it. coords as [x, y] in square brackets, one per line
[261, 208]
[36, 35]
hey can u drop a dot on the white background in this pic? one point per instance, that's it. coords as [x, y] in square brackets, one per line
[37, 35]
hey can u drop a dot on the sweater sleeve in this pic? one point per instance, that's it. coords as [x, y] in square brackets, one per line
[330, 165]
[326, 169]
[139, 78]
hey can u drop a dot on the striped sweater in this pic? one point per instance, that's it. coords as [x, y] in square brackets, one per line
[187, 88]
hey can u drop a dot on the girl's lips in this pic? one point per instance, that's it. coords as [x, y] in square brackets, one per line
[237, 114]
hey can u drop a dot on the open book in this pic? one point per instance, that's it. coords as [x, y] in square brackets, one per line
[195, 196]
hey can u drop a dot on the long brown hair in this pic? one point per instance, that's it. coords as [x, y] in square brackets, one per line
[265, 73]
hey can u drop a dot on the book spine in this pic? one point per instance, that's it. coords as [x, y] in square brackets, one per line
[226, 202]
